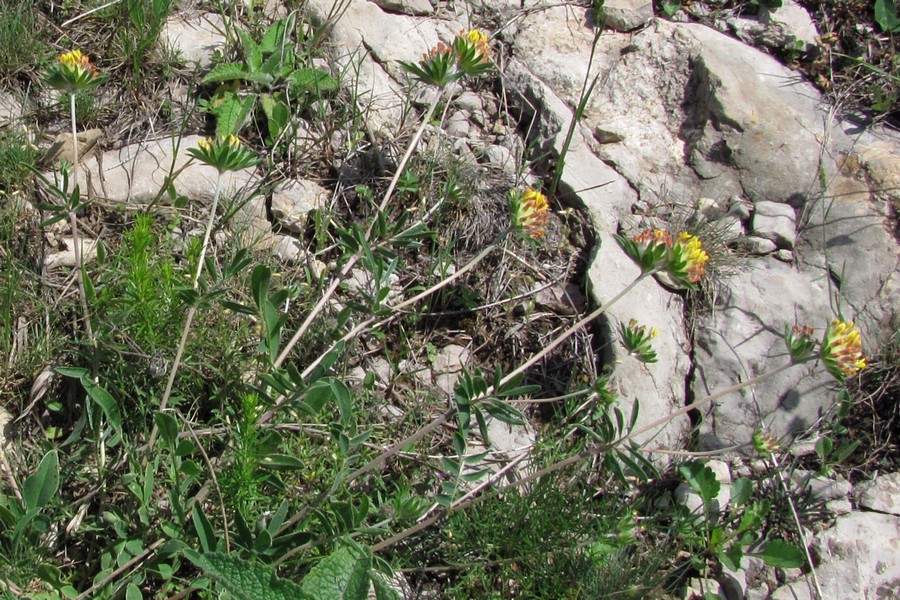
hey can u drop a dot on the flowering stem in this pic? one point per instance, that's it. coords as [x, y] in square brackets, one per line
[74, 139]
[76, 242]
[192, 310]
[409, 150]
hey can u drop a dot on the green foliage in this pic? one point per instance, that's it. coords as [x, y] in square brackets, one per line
[21, 43]
[139, 23]
[346, 574]
[886, 16]
[274, 79]
[726, 534]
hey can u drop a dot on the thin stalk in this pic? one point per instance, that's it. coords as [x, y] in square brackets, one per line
[76, 242]
[586, 90]
[307, 322]
[191, 312]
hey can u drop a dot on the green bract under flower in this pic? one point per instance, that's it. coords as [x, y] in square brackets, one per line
[469, 54]
[765, 443]
[529, 211]
[842, 350]
[637, 340]
[682, 261]
[73, 71]
[225, 153]
[799, 342]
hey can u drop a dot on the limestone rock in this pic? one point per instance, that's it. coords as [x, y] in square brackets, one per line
[858, 556]
[196, 38]
[775, 222]
[65, 254]
[292, 201]
[287, 249]
[743, 338]
[881, 494]
[625, 15]
[755, 245]
[62, 147]
[140, 172]
[448, 364]
[251, 226]
[10, 108]
[406, 7]
[788, 27]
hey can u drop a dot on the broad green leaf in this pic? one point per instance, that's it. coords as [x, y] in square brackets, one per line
[273, 39]
[231, 113]
[886, 15]
[383, 591]
[779, 553]
[204, 529]
[731, 557]
[252, 51]
[43, 484]
[304, 81]
[278, 115]
[741, 490]
[226, 72]
[168, 427]
[280, 462]
[701, 479]
[344, 575]
[247, 580]
[259, 284]
[106, 402]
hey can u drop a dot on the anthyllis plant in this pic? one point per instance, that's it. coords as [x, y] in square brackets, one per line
[638, 339]
[71, 73]
[529, 211]
[680, 262]
[468, 54]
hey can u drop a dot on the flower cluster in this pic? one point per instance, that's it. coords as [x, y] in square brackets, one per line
[683, 260]
[469, 54]
[637, 340]
[225, 153]
[688, 259]
[765, 443]
[842, 350]
[530, 212]
[799, 341]
[73, 71]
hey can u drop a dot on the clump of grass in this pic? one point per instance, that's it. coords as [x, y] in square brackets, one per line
[22, 43]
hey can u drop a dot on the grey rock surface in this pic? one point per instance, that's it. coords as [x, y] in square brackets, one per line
[292, 200]
[625, 15]
[882, 494]
[775, 222]
[195, 39]
[140, 172]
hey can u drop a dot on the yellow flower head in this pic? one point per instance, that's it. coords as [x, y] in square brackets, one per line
[842, 349]
[479, 41]
[530, 212]
[72, 71]
[695, 256]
